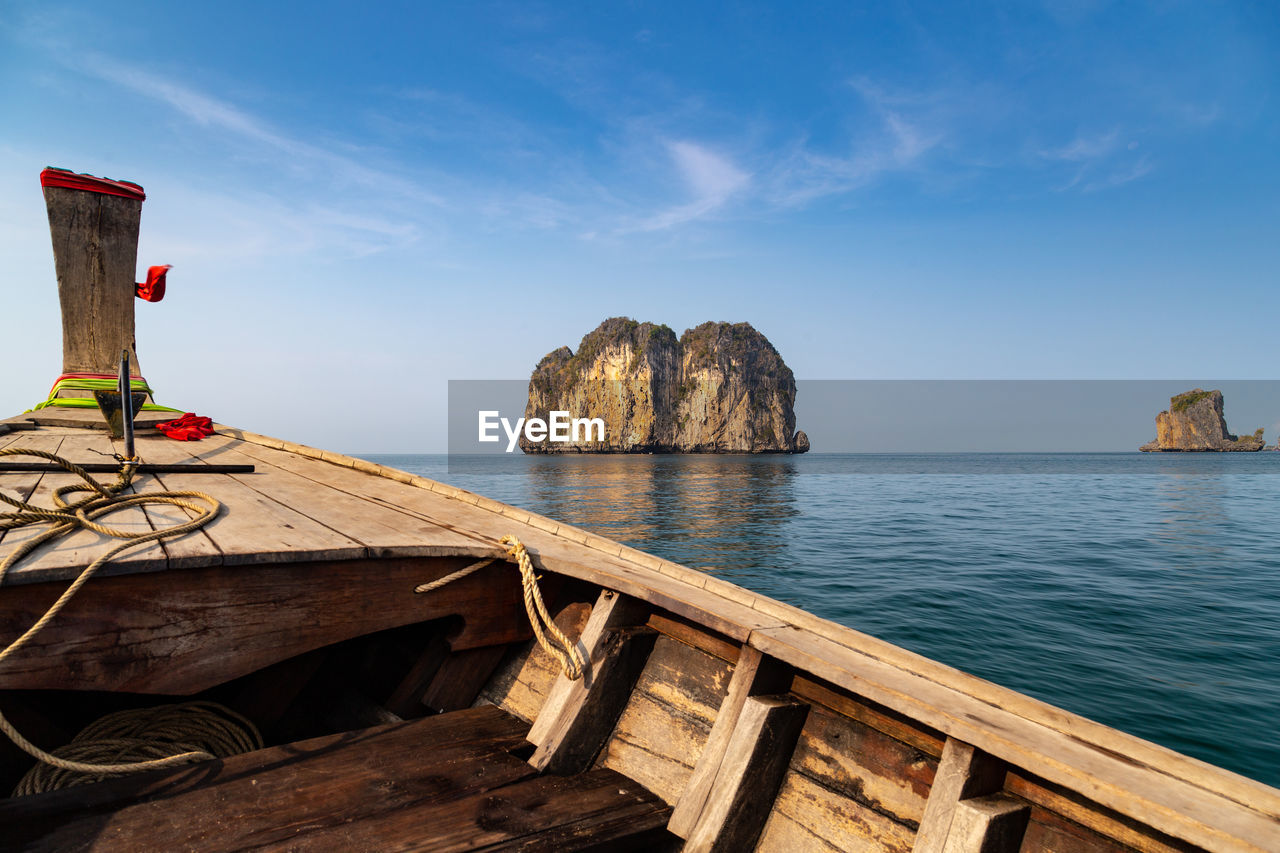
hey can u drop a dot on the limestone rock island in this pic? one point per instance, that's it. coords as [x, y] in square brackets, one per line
[1194, 422]
[719, 388]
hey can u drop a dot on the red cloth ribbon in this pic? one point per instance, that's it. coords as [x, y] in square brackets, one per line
[152, 290]
[189, 427]
[52, 177]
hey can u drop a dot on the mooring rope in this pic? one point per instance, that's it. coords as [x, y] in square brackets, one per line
[65, 519]
[562, 649]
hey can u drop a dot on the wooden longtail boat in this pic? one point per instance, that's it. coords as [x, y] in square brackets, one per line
[708, 717]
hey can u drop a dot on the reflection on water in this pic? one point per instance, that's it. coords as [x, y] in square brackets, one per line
[1139, 591]
[707, 512]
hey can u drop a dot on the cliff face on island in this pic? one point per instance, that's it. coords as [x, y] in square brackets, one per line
[720, 388]
[1195, 422]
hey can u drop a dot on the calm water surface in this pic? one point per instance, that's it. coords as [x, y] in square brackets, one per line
[1140, 591]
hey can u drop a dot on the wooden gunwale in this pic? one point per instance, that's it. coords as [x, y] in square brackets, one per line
[1173, 794]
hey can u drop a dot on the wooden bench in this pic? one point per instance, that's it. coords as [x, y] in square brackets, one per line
[442, 783]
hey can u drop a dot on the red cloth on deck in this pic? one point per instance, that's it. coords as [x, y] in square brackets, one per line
[189, 427]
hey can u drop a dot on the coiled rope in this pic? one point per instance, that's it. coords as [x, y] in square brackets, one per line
[194, 730]
[557, 645]
[66, 518]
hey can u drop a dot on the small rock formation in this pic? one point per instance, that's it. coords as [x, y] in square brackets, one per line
[720, 388]
[1194, 422]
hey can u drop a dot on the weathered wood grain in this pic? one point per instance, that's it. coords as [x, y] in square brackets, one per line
[897, 726]
[663, 730]
[1076, 824]
[460, 678]
[1170, 804]
[254, 529]
[384, 531]
[183, 632]
[80, 547]
[753, 675]
[750, 774]
[599, 811]
[963, 772]
[195, 549]
[990, 824]
[95, 255]
[283, 796]
[692, 634]
[523, 679]
[405, 700]
[809, 817]
[849, 787]
[565, 696]
[583, 724]
[23, 485]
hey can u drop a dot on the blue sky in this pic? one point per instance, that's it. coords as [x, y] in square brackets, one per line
[372, 199]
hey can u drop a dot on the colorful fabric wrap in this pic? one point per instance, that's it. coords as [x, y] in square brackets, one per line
[93, 382]
[67, 179]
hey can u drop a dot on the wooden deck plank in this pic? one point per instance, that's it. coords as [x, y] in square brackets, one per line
[281, 796]
[596, 811]
[385, 531]
[253, 528]
[79, 548]
[22, 484]
[400, 498]
[1169, 804]
[195, 548]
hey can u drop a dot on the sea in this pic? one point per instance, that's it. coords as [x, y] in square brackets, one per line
[1139, 590]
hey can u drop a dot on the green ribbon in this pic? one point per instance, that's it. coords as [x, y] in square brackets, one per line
[94, 385]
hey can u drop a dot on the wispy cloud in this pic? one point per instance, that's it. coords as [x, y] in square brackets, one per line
[1099, 161]
[901, 128]
[1121, 175]
[711, 178]
[211, 112]
[1085, 148]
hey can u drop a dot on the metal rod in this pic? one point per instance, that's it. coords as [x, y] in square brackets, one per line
[126, 403]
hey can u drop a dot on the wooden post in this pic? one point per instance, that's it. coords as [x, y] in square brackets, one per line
[578, 716]
[993, 824]
[95, 254]
[754, 765]
[754, 675]
[963, 774]
[565, 699]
